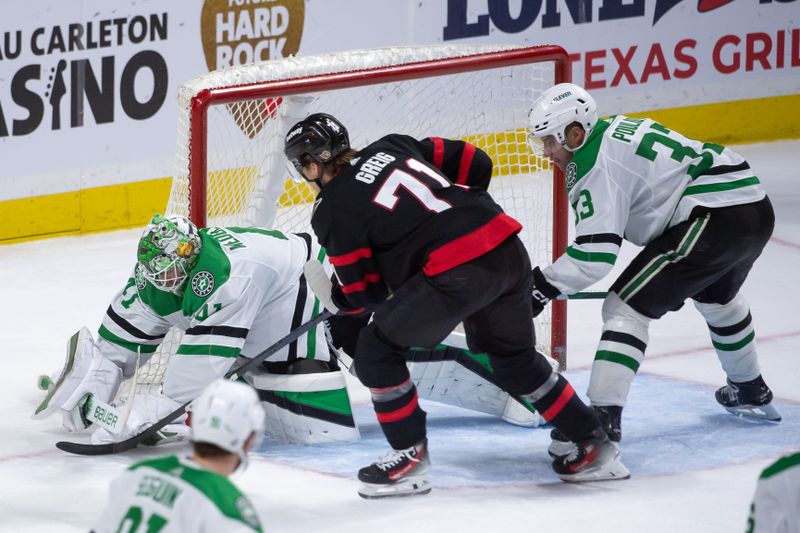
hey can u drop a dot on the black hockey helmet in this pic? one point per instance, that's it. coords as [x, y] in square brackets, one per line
[320, 136]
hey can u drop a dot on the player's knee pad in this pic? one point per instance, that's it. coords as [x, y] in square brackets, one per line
[620, 352]
[378, 361]
[733, 336]
[85, 372]
[306, 408]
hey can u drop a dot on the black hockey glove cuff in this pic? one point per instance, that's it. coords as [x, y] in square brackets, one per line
[543, 291]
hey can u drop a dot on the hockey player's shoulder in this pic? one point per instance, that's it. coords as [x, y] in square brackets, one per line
[218, 490]
[783, 465]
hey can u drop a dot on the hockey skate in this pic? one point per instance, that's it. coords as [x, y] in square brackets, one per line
[398, 473]
[593, 459]
[611, 418]
[751, 399]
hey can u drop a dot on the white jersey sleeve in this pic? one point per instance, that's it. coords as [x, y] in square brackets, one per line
[131, 327]
[634, 179]
[776, 503]
[173, 494]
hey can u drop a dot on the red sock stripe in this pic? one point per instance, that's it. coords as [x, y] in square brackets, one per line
[466, 161]
[399, 414]
[565, 396]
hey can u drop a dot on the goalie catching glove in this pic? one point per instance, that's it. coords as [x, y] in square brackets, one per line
[328, 290]
[543, 291]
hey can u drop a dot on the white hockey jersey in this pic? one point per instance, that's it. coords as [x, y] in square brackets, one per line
[633, 179]
[175, 495]
[776, 503]
[245, 293]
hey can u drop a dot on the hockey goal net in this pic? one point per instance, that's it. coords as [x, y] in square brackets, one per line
[232, 122]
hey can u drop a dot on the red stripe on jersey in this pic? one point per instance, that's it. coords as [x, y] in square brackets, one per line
[361, 285]
[349, 258]
[399, 414]
[472, 245]
[466, 161]
[565, 396]
[438, 152]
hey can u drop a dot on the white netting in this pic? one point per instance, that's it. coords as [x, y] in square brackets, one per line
[247, 181]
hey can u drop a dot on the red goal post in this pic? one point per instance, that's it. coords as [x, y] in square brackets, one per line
[231, 169]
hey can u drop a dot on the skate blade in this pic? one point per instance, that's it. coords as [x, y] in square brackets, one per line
[756, 412]
[410, 486]
[608, 471]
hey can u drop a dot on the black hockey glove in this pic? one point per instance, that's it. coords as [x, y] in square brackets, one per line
[542, 292]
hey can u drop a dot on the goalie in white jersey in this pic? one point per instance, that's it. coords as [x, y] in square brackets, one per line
[702, 217]
[193, 494]
[233, 291]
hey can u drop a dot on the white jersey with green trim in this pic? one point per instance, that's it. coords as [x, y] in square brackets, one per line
[175, 494]
[245, 293]
[776, 503]
[633, 179]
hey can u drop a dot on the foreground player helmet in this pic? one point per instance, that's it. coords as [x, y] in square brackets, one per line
[226, 414]
[557, 108]
[319, 136]
[168, 250]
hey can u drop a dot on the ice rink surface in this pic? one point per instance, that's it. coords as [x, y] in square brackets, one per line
[694, 467]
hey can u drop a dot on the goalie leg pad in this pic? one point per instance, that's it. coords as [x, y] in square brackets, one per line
[86, 372]
[306, 408]
[145, 410]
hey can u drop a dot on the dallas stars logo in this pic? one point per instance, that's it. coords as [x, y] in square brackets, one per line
[203, 283]
[572, 174]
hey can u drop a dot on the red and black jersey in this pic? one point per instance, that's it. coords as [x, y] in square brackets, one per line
[403, 206]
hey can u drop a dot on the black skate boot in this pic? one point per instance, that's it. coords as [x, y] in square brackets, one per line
[398, 473]
[593, 459]
[751, 399]
[611, 418]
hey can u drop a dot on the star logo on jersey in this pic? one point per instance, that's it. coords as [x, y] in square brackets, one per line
[572, 174]
[316, 204]
[203, 283]
[248, 512]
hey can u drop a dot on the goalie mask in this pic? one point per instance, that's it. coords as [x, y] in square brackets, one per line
[557, 108]
[168, 250]
[226, 414]
[319, 137]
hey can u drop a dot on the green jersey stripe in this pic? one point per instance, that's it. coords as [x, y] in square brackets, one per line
[208, 349]
[128, 345]
[718, 187]
[733, 346]
[784, 463]
[592, 257]
[618, 358]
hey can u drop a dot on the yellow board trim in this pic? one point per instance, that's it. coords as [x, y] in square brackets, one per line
[737, 122]
[87, 211]
[132, 204]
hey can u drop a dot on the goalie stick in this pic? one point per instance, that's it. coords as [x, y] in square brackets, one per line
[130, 443]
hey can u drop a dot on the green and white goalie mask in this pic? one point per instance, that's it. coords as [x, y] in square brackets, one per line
[168, 250]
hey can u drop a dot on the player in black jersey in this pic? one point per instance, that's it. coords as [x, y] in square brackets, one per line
[397, 221]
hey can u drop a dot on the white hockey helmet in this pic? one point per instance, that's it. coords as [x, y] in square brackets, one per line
[558, 107]
[226, 414]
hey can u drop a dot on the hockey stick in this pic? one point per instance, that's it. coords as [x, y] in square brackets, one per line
[130, 443]
[588, 295]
